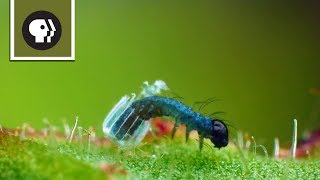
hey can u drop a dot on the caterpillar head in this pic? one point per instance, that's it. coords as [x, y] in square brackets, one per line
[219, 136]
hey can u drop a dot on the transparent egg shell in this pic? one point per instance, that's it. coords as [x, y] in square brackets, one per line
[113, 123]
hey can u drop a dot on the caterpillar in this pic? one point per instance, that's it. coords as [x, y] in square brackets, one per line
[146, 108]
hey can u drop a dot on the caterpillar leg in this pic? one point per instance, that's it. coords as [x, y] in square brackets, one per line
[187, 134]
[174, 130]
[201, 138]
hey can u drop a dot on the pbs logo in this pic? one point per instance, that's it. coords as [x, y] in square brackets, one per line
[41, 30]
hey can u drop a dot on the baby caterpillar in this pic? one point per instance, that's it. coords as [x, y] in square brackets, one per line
[156, 106]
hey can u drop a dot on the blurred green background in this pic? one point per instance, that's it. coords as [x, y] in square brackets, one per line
[259, 58]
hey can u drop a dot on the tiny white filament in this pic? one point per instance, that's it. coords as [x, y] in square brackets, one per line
[294, 139]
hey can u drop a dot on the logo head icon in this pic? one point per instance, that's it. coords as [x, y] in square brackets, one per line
[41, 30]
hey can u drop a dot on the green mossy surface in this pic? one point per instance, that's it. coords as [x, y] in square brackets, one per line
[162, 158]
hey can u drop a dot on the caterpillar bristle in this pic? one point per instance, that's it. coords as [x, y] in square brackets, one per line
[210, 100]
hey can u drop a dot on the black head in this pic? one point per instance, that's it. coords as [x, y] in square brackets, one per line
[219, 136]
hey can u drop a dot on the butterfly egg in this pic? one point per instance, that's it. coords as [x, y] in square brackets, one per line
[122, 126]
